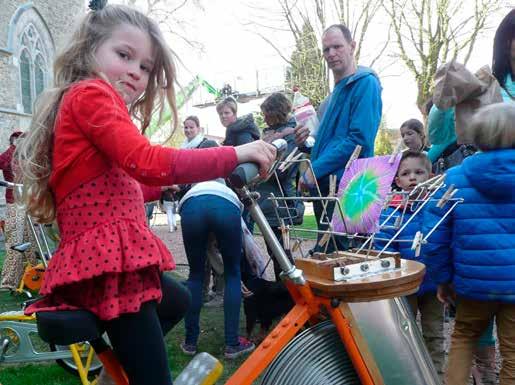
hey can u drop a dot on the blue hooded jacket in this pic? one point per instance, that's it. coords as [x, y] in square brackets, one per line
[352, 117]
[407, 235]
[474, 247]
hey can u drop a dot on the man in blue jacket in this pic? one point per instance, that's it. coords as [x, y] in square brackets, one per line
[351, 117]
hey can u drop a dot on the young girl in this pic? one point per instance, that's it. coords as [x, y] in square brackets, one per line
[413, 136]
[477, 241]
[82, 162]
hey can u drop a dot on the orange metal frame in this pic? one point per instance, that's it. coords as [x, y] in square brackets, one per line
[113, 367]
[308, 307]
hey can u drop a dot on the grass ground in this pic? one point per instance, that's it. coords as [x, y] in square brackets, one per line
[49, 373]
[309, 223]
[211, 341]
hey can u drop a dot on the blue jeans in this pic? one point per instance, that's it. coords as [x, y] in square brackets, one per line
[202, 215]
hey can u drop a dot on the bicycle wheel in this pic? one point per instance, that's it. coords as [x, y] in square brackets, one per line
[70, 365]
[314, 357]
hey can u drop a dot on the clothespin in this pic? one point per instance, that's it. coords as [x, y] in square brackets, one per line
[417, 243]
[354, 156]
[285, 232]
[332, 185]
[296, 246]
[286, 160]
[396, 151]
[446, 196]
[324, 239]
[284, 166]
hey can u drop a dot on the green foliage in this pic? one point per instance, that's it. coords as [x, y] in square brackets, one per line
[383, 143]
[177, 138]
[259, 119]
[308, 70]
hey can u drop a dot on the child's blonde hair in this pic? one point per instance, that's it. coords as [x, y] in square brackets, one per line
[493, 127]
[77, 62]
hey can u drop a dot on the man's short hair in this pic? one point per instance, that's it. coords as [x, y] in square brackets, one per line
[344, 30]
[409, 154]
[228, 102]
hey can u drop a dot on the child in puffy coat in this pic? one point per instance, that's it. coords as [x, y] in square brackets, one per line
[471, 255]
[414, 168]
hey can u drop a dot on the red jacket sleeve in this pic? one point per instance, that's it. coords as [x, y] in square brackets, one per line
[104, 120]
[150, 193]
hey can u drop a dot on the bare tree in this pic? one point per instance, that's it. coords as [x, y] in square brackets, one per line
[304, 21]
[429, 33]
[172, 16]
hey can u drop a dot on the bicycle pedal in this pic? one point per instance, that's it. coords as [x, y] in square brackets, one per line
[4, 345]
[203, 369]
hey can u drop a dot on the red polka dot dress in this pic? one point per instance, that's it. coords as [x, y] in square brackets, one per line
[108, 260]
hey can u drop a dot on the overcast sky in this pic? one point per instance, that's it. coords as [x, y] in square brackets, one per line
[233, 53]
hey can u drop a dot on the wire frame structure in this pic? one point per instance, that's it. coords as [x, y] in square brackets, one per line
[296, 237]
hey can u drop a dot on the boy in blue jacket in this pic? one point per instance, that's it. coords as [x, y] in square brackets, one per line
[414, 168]
[477, 243]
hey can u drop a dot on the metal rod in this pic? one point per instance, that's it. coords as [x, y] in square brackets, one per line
[36, 238]
[255, 211]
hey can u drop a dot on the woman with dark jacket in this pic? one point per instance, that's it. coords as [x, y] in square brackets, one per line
[238, 130]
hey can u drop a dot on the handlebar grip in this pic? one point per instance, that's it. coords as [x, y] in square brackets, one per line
[246, 172]
[243, 174]
[281, 145]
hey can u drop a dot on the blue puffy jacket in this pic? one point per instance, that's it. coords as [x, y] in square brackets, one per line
[406, 235]
[477, 240]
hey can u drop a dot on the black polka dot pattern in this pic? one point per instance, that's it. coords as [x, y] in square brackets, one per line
[108, 260]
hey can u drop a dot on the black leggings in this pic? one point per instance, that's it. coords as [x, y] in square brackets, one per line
[138, 338]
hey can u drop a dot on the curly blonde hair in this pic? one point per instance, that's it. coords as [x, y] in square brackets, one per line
[77, 62]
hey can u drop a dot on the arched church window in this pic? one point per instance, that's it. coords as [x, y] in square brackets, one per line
[25, 76]
[39, 75]
[33, 67]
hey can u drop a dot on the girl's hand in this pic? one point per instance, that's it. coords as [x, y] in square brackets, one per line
[258, 152]
[446, 294]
